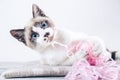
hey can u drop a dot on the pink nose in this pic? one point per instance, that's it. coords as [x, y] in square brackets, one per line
[46, 34]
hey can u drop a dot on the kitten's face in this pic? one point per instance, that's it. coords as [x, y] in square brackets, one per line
[38, 33]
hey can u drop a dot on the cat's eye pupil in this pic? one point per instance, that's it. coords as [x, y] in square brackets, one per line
[44, 25]
[35, 35]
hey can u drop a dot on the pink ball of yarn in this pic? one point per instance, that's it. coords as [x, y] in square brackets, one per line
[82, 70]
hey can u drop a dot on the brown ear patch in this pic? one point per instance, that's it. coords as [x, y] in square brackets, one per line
[18, 34]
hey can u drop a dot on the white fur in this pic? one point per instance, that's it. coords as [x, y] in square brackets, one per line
[40, 40]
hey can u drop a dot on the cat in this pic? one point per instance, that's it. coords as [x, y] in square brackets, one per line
[41, 35]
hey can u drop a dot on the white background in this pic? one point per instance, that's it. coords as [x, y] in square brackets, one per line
[94, 17]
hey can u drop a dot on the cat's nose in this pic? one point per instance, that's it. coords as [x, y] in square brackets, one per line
[46, 34]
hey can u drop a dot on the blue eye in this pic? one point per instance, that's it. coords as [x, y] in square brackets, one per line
[44, 24]
[34, 35]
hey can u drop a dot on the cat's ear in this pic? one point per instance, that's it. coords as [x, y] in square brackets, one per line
[18, 34]
[37, 11]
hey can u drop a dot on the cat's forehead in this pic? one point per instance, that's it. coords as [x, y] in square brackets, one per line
[38, 20]
[33, 21]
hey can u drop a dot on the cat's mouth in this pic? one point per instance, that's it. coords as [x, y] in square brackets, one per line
[51, 38]
[48, 39]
